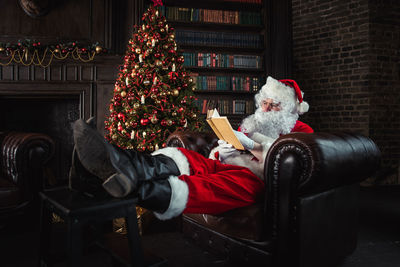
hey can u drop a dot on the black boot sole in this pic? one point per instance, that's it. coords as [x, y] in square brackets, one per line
[92, 151]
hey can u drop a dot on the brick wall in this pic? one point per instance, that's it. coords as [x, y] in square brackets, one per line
[345, 58]
[385, 82]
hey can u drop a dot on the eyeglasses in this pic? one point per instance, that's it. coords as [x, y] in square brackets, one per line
[271, 105]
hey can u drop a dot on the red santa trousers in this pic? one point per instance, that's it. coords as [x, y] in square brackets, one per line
[215, 187]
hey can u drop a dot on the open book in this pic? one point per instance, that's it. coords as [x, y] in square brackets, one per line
[222, 128]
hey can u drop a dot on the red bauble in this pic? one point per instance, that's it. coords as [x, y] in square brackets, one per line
[144, 122]
[120, 128]
[134, 124]
[163, 123]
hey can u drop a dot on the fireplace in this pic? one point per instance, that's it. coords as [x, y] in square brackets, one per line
[50, 110]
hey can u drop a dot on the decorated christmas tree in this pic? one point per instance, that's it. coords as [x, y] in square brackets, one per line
[153, 94]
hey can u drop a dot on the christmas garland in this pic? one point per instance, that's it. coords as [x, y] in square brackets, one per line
[30, 52]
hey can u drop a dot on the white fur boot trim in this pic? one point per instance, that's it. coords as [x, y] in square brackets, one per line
[177, 156]
[179, 198]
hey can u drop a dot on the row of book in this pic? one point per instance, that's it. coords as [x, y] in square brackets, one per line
[219, 39]
[214, 16]
[215, 60]
[227, 83]
[225, 106]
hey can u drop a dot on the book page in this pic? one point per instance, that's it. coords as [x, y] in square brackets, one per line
[223, 129]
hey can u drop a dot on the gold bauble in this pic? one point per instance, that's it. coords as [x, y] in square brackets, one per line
[170, 39]
[123, 93]
[165, 46]
[148, 43]
[173, 113]
[57, 50]
[114, 137]
[158, 102]
[193, 88]
[162, 93]
[127, 124]
[151, 148]
[98, 49]
[158, 63]
[138, 50]
[154, 120]
[2, 49]
[169, 122]
[136, 105]
[162, 30]
[175, 92]
[194, 115]
[144, 134]
[146, 82]
[190, 80]
[172, 36]
[153, 96]
[123, 132]
[136, 66]
[168, 92]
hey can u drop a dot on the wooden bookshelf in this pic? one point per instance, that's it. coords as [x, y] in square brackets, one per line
[200, 27]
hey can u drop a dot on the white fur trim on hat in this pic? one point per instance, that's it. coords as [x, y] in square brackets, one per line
[177, 156]
[179, 199]
[282, 93]
[303, 107]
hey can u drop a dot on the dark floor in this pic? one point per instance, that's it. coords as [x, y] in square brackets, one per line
[379, 240]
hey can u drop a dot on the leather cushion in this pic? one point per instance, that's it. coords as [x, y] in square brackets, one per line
[9, 194]
[242, 223]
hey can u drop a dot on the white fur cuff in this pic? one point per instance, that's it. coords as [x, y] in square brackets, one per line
[177, 156]
[179, 198]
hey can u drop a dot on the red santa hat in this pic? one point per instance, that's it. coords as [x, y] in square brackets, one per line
[287, 92]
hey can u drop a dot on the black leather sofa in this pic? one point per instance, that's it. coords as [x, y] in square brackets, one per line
[22, 159]
[308, 216]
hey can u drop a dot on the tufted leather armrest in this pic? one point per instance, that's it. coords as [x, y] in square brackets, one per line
[22, 154]
[324, 160]
[202, 143]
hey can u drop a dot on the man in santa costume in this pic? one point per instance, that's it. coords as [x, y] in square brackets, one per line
[278, 106]
[175, 180]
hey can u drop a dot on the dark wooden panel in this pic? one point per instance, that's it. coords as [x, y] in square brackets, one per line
[55, 72]
[71, 73]
[23, 73]
[87, 73]
[39, 73]
[104, 95]
[8, 73]
[69, 20]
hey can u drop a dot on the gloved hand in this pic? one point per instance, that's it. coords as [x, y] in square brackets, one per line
[225, 150]
[246, 142]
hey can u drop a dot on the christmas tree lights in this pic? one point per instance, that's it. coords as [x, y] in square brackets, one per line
[153, 94]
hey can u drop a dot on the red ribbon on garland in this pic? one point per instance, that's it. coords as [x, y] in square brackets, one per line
[157, 2]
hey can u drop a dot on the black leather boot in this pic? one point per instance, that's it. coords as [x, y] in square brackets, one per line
[138, 168]
[123, 170]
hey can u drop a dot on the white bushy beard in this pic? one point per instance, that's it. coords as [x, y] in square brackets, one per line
[271, 123]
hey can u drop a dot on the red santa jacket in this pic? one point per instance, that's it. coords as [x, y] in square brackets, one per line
[301, 127]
